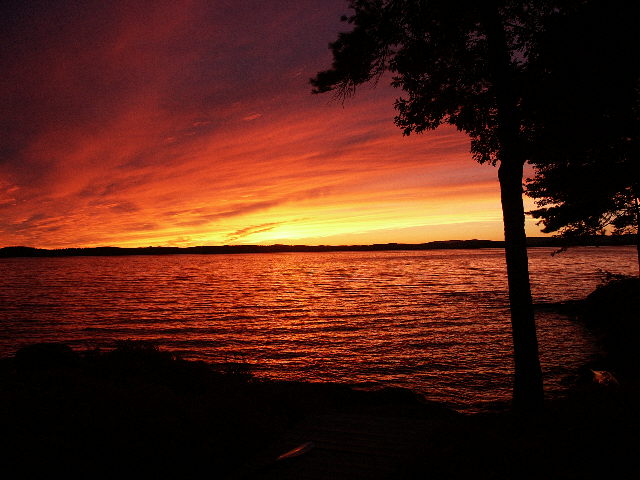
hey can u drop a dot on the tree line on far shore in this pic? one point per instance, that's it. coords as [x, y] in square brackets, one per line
[532, 242]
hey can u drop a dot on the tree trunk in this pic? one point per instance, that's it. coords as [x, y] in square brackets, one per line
[528, 393]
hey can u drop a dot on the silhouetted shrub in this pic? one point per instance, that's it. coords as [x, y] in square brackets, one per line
[614, 304]
[612, 310]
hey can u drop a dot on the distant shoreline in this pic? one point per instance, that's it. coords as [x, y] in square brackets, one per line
[532, 242]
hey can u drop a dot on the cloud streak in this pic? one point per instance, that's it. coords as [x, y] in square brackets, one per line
[251, 230]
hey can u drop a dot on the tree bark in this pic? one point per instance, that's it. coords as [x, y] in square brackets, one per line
[528, 393]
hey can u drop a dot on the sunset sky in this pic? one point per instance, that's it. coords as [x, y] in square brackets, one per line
[192, 123]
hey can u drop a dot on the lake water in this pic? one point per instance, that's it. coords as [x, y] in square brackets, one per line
[433, 321]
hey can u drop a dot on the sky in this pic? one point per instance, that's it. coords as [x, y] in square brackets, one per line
[191, 122]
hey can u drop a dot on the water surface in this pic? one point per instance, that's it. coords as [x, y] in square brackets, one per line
[433, 321]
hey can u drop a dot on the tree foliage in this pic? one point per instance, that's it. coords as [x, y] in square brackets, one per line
[584, 121]
[583, 198]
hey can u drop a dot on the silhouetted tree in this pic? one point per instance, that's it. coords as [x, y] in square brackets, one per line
[461, 62]
[581, 198]
[584, 114]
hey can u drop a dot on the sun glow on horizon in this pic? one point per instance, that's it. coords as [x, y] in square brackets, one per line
[189, 130]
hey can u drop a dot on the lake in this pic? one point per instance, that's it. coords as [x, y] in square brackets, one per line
[434, 321]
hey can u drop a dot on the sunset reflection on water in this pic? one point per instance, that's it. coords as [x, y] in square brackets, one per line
[433, 321]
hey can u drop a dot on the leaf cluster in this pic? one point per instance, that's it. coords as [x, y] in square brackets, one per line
[582, 198]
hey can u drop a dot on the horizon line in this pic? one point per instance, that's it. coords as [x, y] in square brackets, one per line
[537, 241]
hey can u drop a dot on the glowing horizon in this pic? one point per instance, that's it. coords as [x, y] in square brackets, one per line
[192, 123]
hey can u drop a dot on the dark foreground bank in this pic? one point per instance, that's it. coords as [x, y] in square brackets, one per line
[139, 412]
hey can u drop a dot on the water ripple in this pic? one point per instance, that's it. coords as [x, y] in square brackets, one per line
[434, 321]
